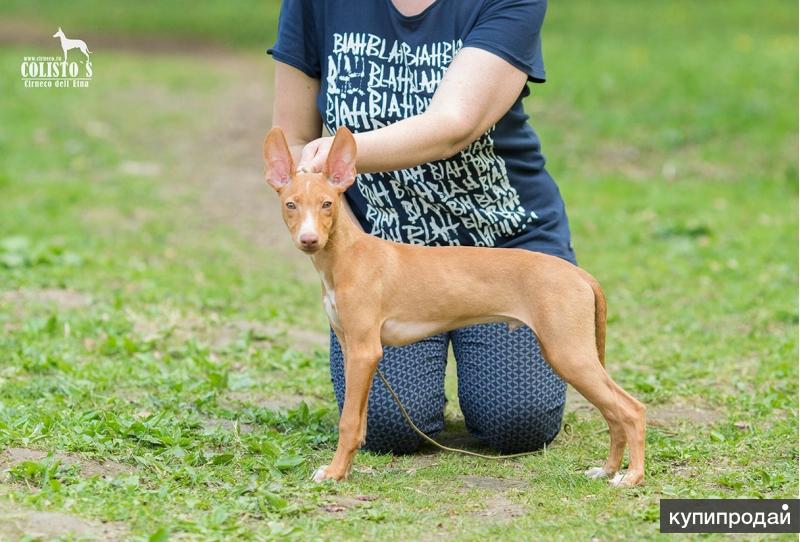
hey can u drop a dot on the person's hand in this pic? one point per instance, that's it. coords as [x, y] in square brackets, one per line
[314, 154]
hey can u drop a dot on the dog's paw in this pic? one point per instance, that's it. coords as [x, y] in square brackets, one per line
[618, 480]
[320, 475]
[626, 479]
[595, 473]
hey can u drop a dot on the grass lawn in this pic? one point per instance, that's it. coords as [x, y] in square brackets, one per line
[163, 368]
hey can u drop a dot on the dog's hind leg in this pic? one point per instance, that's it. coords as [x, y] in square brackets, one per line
[570, 349]
[624, 415]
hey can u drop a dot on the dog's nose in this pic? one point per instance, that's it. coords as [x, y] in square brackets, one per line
[309, 240]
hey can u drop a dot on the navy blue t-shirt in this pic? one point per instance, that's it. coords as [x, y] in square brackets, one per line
[377, 66]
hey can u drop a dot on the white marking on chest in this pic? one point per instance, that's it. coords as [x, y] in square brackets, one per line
[329, 301]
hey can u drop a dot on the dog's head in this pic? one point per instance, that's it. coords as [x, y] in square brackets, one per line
[310, 202]
[59, 34]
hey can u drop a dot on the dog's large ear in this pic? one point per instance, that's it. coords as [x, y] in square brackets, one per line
[277, 159]
[341, 165]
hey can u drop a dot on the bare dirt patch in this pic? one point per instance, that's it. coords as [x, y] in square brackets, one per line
[60, 298]
[269, 401]
[87, 467]
[669, 415]
[490, 483]
[339, 504]
[17, 523]
[176, 327]
[498, 507]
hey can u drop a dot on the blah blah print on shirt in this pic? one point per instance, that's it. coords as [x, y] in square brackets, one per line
[372, 82]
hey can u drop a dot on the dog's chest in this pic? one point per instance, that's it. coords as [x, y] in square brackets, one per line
[329, 302]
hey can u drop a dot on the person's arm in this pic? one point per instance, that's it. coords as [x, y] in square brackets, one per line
[476, 91]
[294, 108]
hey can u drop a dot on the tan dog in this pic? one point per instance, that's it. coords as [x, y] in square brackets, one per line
[379, 293]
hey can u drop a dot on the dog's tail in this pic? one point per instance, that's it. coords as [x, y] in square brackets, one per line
[600, 315]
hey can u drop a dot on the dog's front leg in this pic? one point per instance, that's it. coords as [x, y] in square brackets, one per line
[361, 361]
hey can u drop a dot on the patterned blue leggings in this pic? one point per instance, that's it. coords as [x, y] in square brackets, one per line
[511, 398]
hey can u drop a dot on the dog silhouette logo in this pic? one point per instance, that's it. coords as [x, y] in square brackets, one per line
[67, 44]
[45, 71]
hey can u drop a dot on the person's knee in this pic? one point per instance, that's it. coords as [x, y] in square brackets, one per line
[518, 428]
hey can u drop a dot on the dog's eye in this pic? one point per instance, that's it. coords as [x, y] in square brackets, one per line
[327, 204]
[290, 205]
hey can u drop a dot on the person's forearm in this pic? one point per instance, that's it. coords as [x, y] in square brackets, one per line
[475, 92]
[416, 140]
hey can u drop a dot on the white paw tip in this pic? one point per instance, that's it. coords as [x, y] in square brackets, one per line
[618, 479]
[319, 474]
[596, 473]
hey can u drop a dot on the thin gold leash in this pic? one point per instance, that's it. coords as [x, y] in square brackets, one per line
[429, 439]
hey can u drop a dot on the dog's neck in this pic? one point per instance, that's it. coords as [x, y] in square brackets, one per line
[344, 233]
